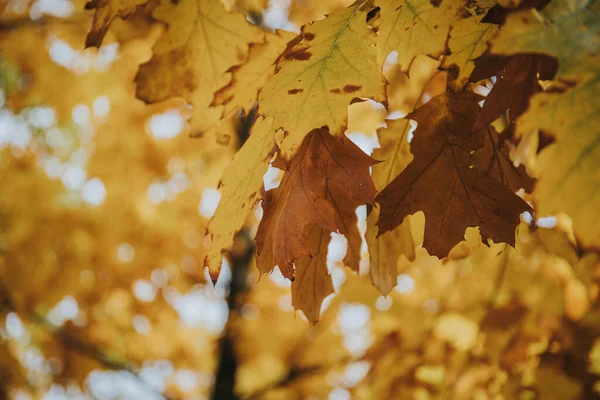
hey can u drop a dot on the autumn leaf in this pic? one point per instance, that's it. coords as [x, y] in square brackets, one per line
[493, 160]
[312, 281]
[192, 59]
[105, 12]
[468, 40]
[565, 29]
[324, 165]
[241, 93]
[405, 93]
[569, 179]
[516, 81]
[320, 72]
[414, 27]
[240, 191]
[463, 197]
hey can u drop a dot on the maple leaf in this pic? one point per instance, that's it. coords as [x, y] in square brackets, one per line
[414, 27]
[191, 60]
[493, 160]
[405, 93]
[320, 72]
[570, 181]
[105, 12]
[241, 93]
[312, 283]
[240, 191]
[462, 197]
[323, 166]
[517, 80]
[468, 40]
[565, 29]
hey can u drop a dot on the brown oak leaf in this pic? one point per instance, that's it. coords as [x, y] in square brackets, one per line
[442, 183]
[328, 177]
[516, 81]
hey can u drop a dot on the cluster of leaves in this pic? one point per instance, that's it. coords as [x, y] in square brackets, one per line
[497, 306]
[457, 171]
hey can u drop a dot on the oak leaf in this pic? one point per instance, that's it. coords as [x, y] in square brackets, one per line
[414, 27]
[191, 60]
[462, 197]
[320, 72]
[325, 173]
[312, 282]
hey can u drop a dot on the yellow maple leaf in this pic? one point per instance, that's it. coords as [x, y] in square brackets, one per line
[404, 93]
[192, 59]
[240, 190]
[241, 93]
[569, 178]
[468, 40]
[322, 70]
[566, 29]
[413, 27]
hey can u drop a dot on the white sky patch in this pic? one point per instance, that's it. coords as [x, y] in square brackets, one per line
[14, 131]
[101, 106]
[166, 125]
[61, 52]
[125, 252]
[67, 309]
[209, 202]
[383, 303]
[353, 319]
[197, 310]
[339, 394]
[141, 324]
[81, 115]
[278, 279]
[41, 117]
[355, 372]
[107, 54]
[14, 326]
[93, 192]
[546, 222]
[272, 178]
[113, 385]
[526, 217]
[56, 8]
[73, 177]
[186, 379]
[144, 290]
[405, 283]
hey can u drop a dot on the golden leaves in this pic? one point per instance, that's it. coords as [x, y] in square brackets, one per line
[414, 27]
[321, 71]
[240, 191]
[570, 165]
[326, 172]
[468, 40]
[191, 60]
[442, 147]
[565, 29]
